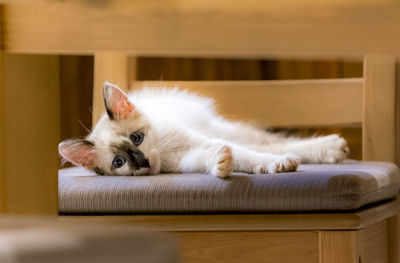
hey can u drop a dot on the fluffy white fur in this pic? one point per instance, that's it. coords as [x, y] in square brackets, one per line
[183, 133]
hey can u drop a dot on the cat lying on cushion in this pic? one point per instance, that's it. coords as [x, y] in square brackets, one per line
[163, 130]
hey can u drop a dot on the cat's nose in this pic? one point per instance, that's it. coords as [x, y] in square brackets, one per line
[143, 163]
[141, 160]
[138, 159]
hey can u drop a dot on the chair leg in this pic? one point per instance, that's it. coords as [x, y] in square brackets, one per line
[379, 108]
[340, 246]
[30, 120]
[3, 187]
[397, 106]
[393, 239]
[114, 67]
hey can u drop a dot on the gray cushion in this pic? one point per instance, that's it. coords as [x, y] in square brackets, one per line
[313, 187]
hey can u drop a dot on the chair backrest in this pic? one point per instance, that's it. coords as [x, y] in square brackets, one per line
[369, 101]
[277, 103]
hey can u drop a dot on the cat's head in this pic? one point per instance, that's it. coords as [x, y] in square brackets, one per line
[120, 143]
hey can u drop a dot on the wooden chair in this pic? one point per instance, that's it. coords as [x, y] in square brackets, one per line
[41, 239]
[113, 31]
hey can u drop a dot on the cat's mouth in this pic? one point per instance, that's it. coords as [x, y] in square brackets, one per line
[152, 165]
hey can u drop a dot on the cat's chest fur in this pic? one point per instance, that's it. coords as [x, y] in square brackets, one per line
[180, 119]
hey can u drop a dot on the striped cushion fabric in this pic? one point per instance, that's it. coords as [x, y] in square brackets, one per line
[314, 187]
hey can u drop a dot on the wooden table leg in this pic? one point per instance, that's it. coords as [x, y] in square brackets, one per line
[30, 120]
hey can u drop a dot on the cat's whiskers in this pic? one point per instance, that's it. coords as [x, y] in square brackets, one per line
[83, 125]
[162, 144]
[172, 147]
[167, 141]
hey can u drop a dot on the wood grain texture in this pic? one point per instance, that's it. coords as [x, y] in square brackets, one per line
[229, 222]
[29, 239]
[397, 120]
[340, 246]
[2, 121]
[195, 69]
[393, 240]
[378, 213]
[375, 245]
[76, 89]
[252, 222]
[281, 103]
[379, 108]
[271, 247]
[31, 131]
[113, 67]
[205, 28]
[3, 181]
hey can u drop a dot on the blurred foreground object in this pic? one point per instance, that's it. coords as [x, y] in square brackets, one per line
[45, 240]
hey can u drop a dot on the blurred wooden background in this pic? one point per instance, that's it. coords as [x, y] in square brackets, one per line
[76, 80]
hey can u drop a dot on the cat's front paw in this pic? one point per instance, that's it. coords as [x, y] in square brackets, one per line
[284, 163]
[224, 162]
[155, 163]
[333, 149]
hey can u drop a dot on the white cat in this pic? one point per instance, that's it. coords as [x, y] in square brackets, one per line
[164, 130]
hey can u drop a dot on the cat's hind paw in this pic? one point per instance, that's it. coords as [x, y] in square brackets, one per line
[334, 149]
[285, 163]
[224, 162]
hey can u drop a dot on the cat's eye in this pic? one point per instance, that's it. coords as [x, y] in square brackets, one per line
[118, 162]
[137, 138]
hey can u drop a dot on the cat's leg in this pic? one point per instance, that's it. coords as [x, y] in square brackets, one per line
[214, 159]
[221, 158]
[324, 149]
[242, 133]
[155, 162]
[250, 161]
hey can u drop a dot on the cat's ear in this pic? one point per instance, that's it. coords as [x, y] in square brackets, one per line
[79, 152]
[116, 101]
